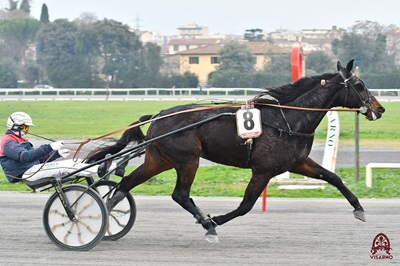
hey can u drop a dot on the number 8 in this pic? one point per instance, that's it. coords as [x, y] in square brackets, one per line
[248, 120]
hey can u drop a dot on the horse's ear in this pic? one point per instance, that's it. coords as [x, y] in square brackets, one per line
[339, 66]
[350, 65]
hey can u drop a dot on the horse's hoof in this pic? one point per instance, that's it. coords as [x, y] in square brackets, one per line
[212, 238]
[360, 215]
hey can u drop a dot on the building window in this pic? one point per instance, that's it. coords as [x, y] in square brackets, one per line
[193, 60]
[176, 47]
[187, 46]
[214, 60]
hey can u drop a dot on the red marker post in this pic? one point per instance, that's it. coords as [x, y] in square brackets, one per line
[297, 63]
[297, 73]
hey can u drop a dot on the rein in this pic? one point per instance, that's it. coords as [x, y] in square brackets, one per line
[82, 143]
[308, 108]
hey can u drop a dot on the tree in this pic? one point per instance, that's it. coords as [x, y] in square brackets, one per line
[25, 6]
[367, 45]
[13, 5]
[86, 19]
[44, 14]
[16, 34]
[279, 70]
[231, 78]
[8, 74]
[236, 56]
[319, 62]
[113, 46]
[145, 67]
[253, 35]
[236, 65]
[187, 80]
[33, 73]
[59, 53]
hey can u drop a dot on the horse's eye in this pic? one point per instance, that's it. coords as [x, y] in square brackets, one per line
[359, 85]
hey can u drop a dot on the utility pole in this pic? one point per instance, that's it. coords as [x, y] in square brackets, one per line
[137, 22]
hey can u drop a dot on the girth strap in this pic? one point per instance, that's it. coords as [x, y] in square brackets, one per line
[249, 151]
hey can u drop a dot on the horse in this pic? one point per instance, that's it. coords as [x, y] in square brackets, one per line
[289, 115]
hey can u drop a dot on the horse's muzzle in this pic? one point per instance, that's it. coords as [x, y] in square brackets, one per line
[374, 114]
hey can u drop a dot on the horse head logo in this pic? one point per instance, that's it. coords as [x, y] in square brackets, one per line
[381, 244]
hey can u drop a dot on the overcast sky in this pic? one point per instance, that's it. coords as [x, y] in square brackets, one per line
[226, 16]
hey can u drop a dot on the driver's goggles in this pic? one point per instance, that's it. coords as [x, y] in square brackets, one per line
[25, 128]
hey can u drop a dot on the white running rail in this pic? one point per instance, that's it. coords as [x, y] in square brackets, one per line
[369, 167]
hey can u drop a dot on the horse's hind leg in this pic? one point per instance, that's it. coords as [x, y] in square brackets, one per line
[186, 174]
[151, 167]
[314, 170]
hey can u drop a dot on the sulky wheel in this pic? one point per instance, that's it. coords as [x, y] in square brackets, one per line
[91, 219]
[122, 217]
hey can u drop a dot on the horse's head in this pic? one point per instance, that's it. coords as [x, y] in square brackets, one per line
[357, 95]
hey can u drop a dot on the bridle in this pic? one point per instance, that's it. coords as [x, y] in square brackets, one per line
[347, 84]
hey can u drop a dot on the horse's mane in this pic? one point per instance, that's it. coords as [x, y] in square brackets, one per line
[289, 92]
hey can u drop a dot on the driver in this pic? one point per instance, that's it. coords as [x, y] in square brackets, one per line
[20, 160]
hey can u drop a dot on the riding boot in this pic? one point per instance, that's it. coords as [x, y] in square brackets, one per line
[112, 202]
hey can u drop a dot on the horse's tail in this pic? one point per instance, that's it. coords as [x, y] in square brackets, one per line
[134, 134]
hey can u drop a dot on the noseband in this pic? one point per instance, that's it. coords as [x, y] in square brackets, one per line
[346, 82]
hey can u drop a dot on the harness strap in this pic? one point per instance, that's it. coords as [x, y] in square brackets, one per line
[291, 133]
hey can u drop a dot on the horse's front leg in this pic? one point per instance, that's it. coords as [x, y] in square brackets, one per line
[312, 169]
[258, 182]
[181, 195]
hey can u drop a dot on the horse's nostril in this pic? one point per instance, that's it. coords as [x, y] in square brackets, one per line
[381, 110]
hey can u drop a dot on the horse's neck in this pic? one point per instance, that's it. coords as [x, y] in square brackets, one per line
[308, 121]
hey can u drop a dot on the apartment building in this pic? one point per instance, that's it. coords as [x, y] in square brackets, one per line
[203, 61]
[310, 39]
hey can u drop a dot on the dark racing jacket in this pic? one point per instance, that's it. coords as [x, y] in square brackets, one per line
[18, 155]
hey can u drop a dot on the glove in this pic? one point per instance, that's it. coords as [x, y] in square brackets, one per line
[64, 152]
[57, 145]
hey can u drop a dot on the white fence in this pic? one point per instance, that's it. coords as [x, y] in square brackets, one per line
[151, 93]
[368, 170]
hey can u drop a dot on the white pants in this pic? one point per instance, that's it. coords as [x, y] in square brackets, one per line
[60, 168]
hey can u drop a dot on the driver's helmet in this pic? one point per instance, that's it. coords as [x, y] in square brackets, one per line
[19, 120]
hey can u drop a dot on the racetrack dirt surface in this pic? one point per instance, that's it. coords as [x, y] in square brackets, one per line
[291, 232]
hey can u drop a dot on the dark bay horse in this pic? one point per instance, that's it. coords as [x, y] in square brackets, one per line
[284, 145]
